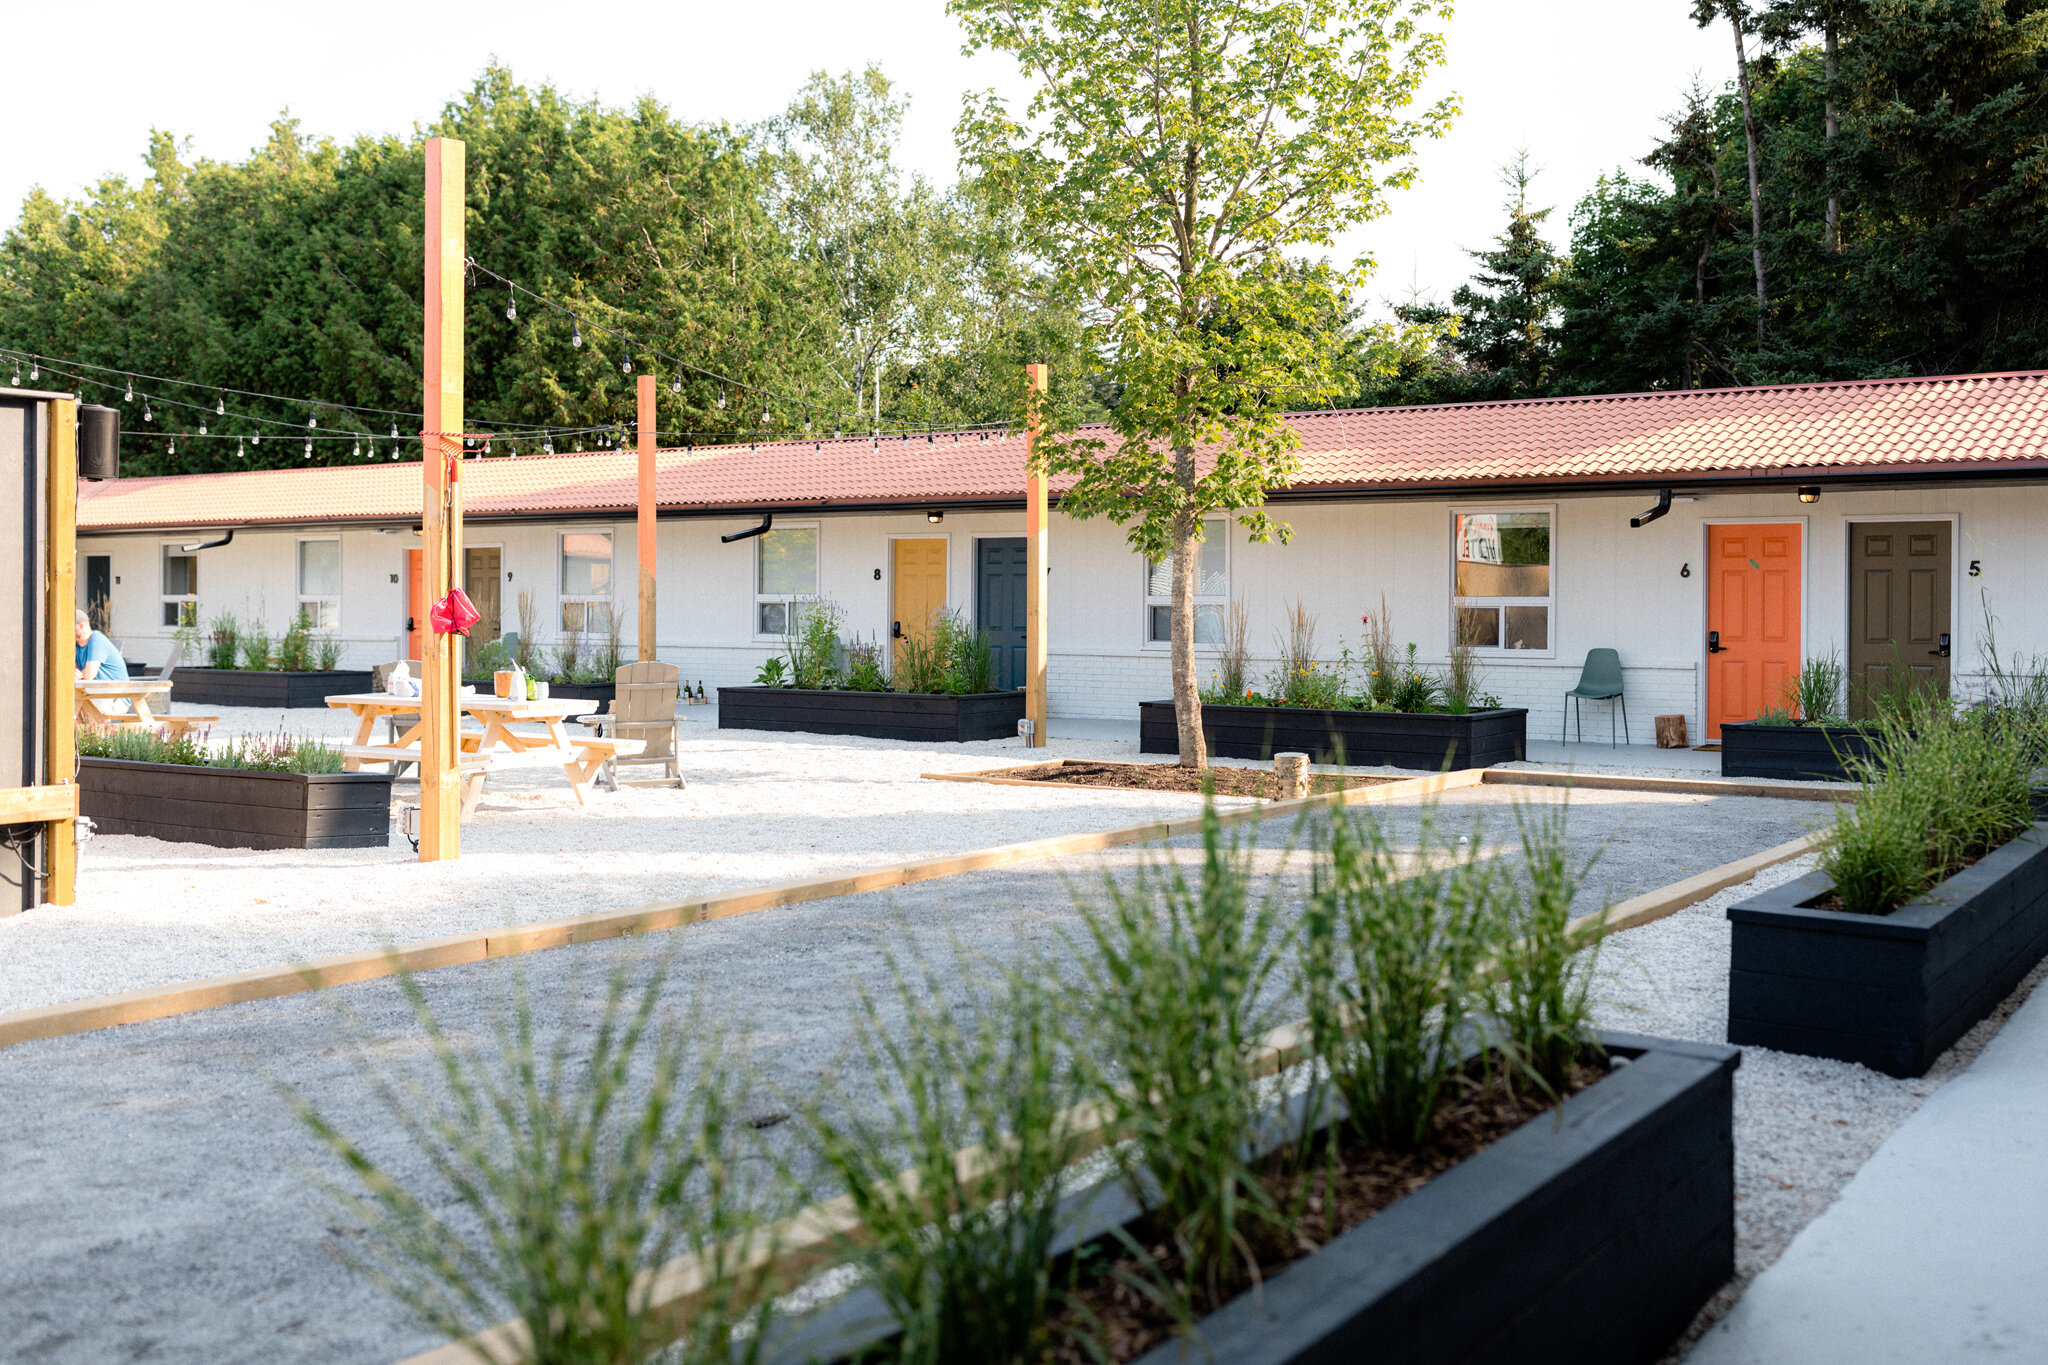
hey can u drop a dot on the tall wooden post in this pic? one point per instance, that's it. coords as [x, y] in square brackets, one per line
[1036, 563]
[60, 744]
[646, 433]
[441, 514]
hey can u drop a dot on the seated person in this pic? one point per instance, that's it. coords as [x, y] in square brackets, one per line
[97, 659]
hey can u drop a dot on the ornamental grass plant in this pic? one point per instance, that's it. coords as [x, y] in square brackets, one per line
[1539, 1003]
[222, 635]
[1173, 999]
[559, 1173]
[1944, 787]
[974, 1092]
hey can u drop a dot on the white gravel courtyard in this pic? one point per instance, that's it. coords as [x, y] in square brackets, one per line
[759, 808]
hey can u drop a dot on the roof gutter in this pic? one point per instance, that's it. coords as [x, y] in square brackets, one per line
[1663, 506]
[192, 546]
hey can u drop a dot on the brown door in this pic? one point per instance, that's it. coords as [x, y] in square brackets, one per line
[1752, 620]
[484, 583]
[415, 602]
[920, 587]
[1898, 608]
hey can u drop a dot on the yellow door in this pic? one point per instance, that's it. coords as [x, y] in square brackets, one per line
[920, 587]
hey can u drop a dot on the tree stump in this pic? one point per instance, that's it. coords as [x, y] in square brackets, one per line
[1671, 732]
[1291, 775]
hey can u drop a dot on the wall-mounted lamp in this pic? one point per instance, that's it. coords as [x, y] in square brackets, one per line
[1809, 492]
[935, 517]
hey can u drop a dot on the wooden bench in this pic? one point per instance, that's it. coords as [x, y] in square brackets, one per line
[183, 724]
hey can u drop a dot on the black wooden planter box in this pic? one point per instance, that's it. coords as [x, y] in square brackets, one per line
[1892, 992]
[265, 688]
[1589, 1236]
[1477, 739]
[881, 715]
[1793, 751]
[235, 808]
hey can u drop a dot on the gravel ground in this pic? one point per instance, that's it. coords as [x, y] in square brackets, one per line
[157, 1198]
[759, 808]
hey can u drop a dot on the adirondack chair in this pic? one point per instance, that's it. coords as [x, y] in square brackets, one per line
[644, 709]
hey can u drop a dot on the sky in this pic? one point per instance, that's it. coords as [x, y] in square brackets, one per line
[1584, 85]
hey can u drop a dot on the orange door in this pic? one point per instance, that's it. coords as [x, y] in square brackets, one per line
[1753, 582]
[415, 602]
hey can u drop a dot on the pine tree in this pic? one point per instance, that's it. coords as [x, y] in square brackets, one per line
[1505, 313]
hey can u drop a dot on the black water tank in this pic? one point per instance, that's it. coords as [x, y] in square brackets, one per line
[99, 442]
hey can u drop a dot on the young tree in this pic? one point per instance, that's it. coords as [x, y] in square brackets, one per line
[1172, 154]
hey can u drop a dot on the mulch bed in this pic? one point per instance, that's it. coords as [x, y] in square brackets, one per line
[1127, 1322]
[1171, 777]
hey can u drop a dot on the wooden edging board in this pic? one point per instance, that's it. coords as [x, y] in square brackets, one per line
[999, 777]
[134, 1007]
[1687, 786]
[808, 1239]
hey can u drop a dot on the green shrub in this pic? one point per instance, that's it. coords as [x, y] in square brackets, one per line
[771, 673]
[1541, 1000]
[864, 671]
[1943, 787]
[255, 645]
[970, 655]
[961, 1254]
[1173, 999]
[330, 653]
[221, 640]
[812, 643]
[1391, 953]
[558, 1174]
[137, 745]
[479, 664]
[1817, 695]
[279, 753]
[295, 650]
[1413, 690]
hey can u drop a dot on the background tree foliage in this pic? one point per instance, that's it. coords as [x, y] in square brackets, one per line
[1903, 191]
[298, 272]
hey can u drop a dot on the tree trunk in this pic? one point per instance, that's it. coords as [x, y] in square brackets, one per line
[1834, 238]
[1756, 200]
[1187, 697]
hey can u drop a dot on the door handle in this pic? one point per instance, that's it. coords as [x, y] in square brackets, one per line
[1713, 642]
[895, 630]
[1941, 653]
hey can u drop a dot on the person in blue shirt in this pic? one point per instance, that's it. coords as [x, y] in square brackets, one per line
[97, 659]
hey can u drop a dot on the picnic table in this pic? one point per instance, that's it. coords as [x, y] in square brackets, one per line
[97, 705]
[492, 747]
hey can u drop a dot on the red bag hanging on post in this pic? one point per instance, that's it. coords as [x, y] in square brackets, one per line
[454, 613]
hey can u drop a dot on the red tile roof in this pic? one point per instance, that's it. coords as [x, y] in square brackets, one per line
[1989, 423]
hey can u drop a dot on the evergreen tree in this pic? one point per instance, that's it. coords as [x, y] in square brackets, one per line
[1504, 329]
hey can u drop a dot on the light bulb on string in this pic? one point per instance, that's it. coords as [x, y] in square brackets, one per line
[35, 372]
[625, 364]
[257, 439]
[128, 397]
[202, 426]
[220, 407]
[312, 420]
[765, 419]
[394, 430]
[309, 447]
[356, 452]
[17, 374]
[241, 451]
[675, 385]
[145, 411]
[721, 399]
[174, 445]
[576, 335]
[511, 306]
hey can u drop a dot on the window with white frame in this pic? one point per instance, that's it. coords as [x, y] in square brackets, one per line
[785, 573]
[1503, 592]
[180, 586]
[320, 582]
[586, 586]
[1212, 586]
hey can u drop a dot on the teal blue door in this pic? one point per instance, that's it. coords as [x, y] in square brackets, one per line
[999, 580]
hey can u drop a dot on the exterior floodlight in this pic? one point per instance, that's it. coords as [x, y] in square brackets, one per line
[1809, 493]
[935, 517]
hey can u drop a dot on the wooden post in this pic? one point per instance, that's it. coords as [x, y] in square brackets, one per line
[1036, 563]
[646, 433]
[441, 514]
[60, 744]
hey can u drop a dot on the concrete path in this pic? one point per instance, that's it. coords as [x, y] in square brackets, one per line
[1938, 1250]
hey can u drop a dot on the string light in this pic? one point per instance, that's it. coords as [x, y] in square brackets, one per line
[17, 374]
[145, 410]
[356, 453]
[257, 439]
[394, 431]
[625, 364]
[675, 384]
[312, 420]
[35, 371]
[309, 447]
[202, 426]
[220, 407]
[721, 399]
[241, 451]
[511, 306]
[576, 335]
[128, 397]
[174, 445]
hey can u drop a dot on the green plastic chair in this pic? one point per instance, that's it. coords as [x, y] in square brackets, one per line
[1599, 680]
